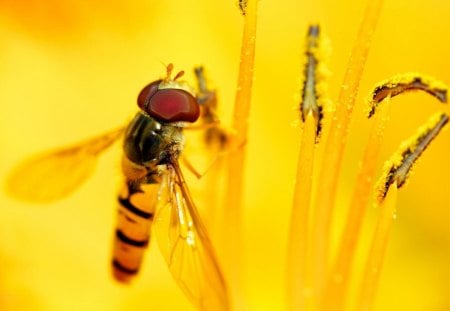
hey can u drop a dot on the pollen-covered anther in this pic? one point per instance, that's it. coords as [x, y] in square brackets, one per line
[311, 101]
[243, 6]
[402, 83]
[398, 168]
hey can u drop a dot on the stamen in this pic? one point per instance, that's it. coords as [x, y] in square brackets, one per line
[406, 82]
[231, 226]
[310, 95]
[243, 6]
[301, 295]
[398, 168]
[336, 142]
[375, 260]
[340, 274]
[300, 264]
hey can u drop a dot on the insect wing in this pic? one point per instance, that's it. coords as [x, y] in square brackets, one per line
[186, 247]
[54, 175]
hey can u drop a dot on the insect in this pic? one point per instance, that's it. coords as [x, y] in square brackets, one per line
[154, 193]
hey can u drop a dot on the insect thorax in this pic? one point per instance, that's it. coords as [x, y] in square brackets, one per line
[150, 143]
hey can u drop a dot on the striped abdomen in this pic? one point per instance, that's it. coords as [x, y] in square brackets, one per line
[137, 202]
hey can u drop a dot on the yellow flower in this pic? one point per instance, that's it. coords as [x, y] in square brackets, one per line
[71, 71]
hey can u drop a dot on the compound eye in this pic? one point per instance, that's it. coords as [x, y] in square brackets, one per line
[147, 93]
[173, 105]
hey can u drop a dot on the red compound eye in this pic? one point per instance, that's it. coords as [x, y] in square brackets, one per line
[146, 93]
[173, 105]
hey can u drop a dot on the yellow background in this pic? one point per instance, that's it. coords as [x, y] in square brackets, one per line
[71, 70]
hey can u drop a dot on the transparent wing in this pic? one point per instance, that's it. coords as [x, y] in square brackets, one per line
[53, 175]
[186, 246]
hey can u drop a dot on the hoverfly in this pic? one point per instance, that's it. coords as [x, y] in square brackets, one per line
[154, 193]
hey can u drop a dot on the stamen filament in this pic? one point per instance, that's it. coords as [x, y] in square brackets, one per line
[339, 276]
[337, 140]
[235, 184]
[299, 266]
[375, 259]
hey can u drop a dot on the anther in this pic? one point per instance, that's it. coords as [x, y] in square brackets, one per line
[406, 82]
[398, 168]
[243, 6]
[310, 98]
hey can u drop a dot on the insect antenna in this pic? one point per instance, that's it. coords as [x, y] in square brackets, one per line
[169, 73]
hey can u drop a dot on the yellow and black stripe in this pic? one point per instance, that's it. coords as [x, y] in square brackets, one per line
[135, 215]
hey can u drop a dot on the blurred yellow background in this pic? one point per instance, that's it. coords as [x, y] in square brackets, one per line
[71, 70]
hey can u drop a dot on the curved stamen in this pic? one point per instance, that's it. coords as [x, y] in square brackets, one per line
[398, 168]
[401, 83]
